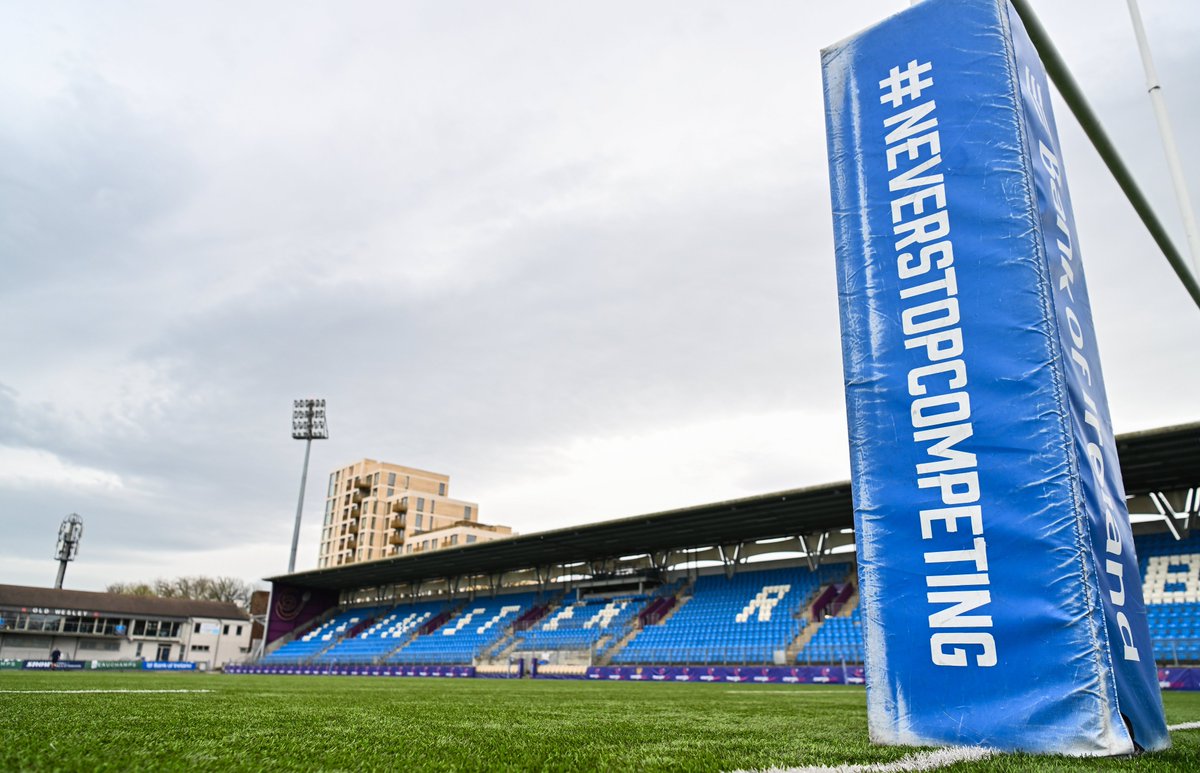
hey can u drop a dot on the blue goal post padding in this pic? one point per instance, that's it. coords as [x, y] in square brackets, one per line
[1002, 604]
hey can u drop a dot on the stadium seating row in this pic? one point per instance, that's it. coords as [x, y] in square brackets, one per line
[753, 617]
[748, 618]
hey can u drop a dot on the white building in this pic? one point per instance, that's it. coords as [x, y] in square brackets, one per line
[87, 626]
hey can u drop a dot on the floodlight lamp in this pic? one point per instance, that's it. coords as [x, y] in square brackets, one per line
[308, 420]
[69, 535]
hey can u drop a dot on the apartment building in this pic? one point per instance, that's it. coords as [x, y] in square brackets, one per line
[378, 510]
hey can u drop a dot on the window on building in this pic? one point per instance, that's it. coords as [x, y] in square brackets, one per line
[196, 628]
[420, 520]
[391, 479]
[239, 630]
[420, 503]
[376, 479]
[163, 629]
[391, 492]
[441, 489]
[200, 648]
[470, 538]
[225, 631]
[453, 539]
[467, 512]
[432, 506]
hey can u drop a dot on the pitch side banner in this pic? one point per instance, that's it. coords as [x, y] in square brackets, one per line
[1001, 595]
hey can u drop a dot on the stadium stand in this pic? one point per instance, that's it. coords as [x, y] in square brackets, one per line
[322, 637]
[578, 624]
[678, 606]
[837, 640]
[1171, 586]
[746, 619]
[384, 635]
[476, 627]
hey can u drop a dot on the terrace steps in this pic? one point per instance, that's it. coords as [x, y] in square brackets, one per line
[607, 657]
[811, 624]
[635, 629]
[408, 637]
[801, 641]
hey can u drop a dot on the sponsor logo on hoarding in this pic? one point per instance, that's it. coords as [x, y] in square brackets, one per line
[48, 665]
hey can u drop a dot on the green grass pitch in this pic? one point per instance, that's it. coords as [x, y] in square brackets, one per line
[264, 723]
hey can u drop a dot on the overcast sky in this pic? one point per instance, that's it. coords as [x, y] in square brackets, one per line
[576, 255]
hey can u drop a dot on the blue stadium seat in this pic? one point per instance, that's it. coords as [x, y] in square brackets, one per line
[477, 626]
[389, 631]
[578, 624]
[322, 637]
[746, 619]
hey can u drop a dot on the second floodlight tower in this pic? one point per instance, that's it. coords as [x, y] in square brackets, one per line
[308, 424]
[69, 535]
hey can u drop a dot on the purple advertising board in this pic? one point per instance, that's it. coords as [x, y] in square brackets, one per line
[833, 674]
[361, 669]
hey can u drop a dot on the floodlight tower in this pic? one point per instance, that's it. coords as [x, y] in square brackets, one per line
[69, 535]
[308, 424]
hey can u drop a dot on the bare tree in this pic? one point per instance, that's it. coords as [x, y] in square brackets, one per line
[228, 589]
[131, 589]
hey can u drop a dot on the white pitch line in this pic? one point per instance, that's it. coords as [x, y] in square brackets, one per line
[90, 692]
[938, 758]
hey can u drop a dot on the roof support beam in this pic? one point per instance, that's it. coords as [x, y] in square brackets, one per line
[1170, 516]
[814, 551]
[731, 556]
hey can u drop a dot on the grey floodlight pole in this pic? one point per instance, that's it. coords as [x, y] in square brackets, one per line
[69, 535]
[1168, 138]
[308, 424]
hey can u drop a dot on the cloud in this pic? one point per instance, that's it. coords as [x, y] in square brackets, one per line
[659, 467]
[577, 257]
[26, 468]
